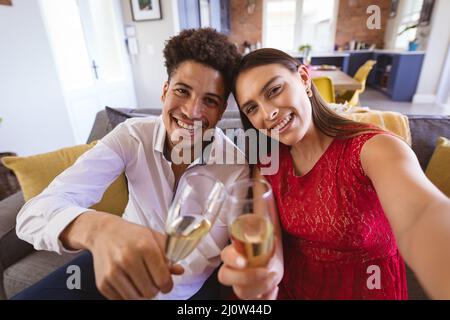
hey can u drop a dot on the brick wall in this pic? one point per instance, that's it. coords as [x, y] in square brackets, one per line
[352, 18]
[245, 26]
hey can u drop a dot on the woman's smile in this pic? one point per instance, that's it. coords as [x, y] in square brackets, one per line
[283, 124]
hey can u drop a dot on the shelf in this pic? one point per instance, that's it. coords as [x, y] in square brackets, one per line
[401, 77]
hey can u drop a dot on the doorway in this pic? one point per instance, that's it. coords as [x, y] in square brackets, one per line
[87, 41]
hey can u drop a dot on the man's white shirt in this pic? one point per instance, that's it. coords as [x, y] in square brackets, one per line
[135, 147]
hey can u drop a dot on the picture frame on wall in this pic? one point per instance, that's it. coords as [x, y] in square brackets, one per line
[144, 10]
[6, 2]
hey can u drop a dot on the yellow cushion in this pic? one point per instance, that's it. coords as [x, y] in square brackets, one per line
[438, 169]
[35, 173]
[394, 122]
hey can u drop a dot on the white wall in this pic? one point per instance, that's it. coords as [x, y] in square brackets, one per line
[148, 66]
[390, 35]
[443, 91]
[32, 106]
[437, 45]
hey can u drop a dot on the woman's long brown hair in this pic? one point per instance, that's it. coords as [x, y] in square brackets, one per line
[325, 119]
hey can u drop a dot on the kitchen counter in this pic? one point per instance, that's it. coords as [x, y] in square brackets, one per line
[347, 53]
[396, 72]
[386, 51]
[338, 59]
[297, 54]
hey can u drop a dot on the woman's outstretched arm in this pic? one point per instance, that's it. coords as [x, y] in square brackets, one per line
[418, 212]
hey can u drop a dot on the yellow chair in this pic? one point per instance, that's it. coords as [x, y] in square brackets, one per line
[352, 97]
[325, 87]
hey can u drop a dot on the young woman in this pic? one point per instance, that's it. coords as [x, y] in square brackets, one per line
[352, 199]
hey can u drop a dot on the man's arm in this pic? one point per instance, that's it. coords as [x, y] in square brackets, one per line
[42, 219]
[129, 260]
[80, 233]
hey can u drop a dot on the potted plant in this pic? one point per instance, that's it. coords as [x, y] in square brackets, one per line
[413, 44]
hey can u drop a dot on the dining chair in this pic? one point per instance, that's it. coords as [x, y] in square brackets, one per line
[352, 97]
[325, 87]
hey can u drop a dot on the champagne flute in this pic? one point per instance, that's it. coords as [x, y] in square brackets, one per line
[196, 205]
[251, 211]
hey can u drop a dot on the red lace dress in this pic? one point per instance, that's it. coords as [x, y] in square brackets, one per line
[337, 241]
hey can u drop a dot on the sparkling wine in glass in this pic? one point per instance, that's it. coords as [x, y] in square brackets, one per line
[196, 205]
[250, 220]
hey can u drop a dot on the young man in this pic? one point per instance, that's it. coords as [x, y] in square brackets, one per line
[128, 254]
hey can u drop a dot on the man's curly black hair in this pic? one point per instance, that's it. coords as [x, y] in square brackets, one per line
[206, 46]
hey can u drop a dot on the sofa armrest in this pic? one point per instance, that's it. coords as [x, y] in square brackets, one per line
[12, 248]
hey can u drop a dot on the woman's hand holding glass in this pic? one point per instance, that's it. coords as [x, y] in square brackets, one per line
[253, 262]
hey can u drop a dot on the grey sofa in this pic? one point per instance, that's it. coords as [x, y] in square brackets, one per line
[21, 265]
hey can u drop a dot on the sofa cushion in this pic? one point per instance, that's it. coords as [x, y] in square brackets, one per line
[438, 169]
[9, 208]
[425, 129]
[117, 116]
[100, 128]
[8, 181]
[230, 119]
[229, 122]
[12, 248]
[31, 269]
[36, 172]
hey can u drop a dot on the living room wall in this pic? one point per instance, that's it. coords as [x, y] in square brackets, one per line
[149, 72]
[438, 42]
[32, 106]
[245, 26]
[352, 17]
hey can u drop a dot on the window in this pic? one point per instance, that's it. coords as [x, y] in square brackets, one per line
[409, 17]
[280, 23]
[205, 18]
[291, 23]
[316, 25]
